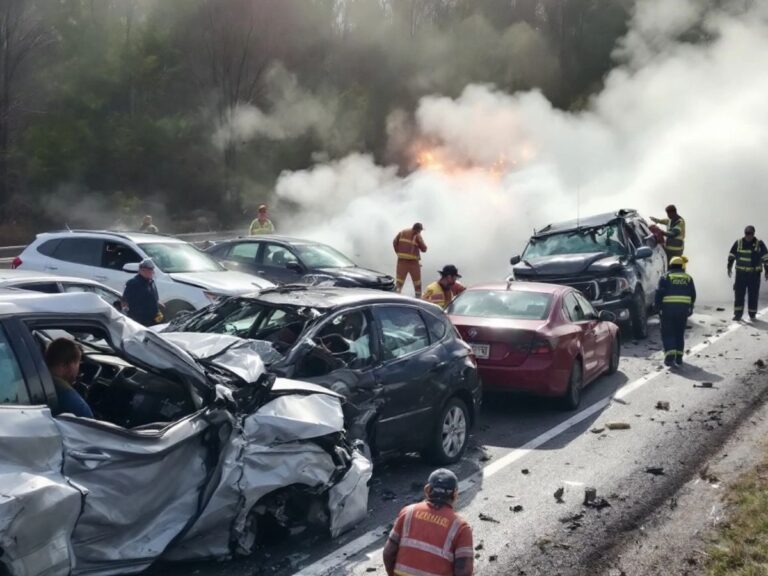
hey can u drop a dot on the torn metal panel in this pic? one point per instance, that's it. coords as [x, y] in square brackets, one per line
[348, 499]
[38, 507]
[293, 417]
[143, 486]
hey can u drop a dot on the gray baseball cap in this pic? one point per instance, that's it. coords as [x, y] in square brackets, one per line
[147, 263]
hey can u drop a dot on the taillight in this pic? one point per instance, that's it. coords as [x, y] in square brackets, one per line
[16, 262]
[541, 346]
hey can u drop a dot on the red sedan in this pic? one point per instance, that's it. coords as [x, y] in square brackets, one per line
[543, 339]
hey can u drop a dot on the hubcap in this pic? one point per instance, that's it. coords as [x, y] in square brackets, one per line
[454, 431]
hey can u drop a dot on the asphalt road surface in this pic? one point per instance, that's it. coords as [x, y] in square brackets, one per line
[525, 449]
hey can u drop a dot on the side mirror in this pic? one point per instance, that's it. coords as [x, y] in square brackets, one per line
[643, 252]
[118, 305]
[132, 267]
[515, 260]
[606, 316]
[295, 266]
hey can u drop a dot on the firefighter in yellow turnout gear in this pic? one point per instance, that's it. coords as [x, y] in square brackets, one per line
[675, 232]
[675, 298]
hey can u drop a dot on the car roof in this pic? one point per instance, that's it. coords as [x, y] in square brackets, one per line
[322, 297]
[75, 303]
[270, 237]
[540, 287]
[136, 237]
[588, 222]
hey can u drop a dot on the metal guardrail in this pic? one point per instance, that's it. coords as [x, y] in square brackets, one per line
[8, 253]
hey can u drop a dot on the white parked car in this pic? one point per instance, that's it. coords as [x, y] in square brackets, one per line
[53, 284]
[186, 278]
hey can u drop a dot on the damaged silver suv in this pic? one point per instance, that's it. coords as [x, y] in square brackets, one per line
[190, 453]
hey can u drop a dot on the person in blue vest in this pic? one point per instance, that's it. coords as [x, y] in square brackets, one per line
[675, 298]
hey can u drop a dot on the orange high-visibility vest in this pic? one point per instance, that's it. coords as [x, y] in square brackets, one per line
[429, 539]
[409, 245]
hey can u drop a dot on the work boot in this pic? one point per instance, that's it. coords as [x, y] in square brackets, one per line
[753, 317]
[679, 361]
[737, 317]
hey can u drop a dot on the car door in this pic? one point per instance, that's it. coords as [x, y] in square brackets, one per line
[114, 256]
[656, 265]
[280, 264]
[576, 313]
[38, 506]
[77, 256]
[603, 338]
[240, 256]
[409, 364]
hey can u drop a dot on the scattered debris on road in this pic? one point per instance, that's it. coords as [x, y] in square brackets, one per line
[572, 522]
[487, 518]
[480, 546]
[662, 405]
[493, 558]
[704, 385]
[525, 471]
[559, 495]
[760, 363]
[719, 309]
[655, 470]
[617, 425]
[598, 504]
[597, 430]
[517, 508]
[485, 457]
[589, 495]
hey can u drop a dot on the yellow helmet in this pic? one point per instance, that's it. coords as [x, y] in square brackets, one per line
[677, 261]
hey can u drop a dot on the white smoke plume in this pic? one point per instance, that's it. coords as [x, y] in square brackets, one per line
[676, 122]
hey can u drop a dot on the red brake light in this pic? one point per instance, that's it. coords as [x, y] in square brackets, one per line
[16, 262]
[541, 346]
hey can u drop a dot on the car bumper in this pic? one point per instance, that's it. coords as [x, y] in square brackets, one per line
[537, 376]
[620, 307]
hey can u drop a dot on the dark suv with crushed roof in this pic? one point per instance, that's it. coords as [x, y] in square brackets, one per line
[612, 258]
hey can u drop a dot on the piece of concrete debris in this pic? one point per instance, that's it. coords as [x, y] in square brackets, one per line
[662, 405]
[516, 509]
[486, 518]
[720, 309]
[525, 471]
[480, 546]
[493, 558]
[760, 363]
[655, 470]
[589, 494]
[597, 430]
[485, 457]
[617, 425]
[598, 504]
[371, 569]
[559, 495]
[704, 385]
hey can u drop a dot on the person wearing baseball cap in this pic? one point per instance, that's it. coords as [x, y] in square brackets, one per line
[408, 246]
[429, 537]
[262, 224]
[444, 290]
[140, 299]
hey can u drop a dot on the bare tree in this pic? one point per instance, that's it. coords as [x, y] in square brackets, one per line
[22, 35]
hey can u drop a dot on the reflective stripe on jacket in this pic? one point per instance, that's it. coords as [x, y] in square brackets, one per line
[676, 291]
[409, 245]
[749, 256]
[436, 294]
[429, 539]
[676, 243]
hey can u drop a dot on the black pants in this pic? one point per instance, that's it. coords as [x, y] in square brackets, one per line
[747, 283]
[674, 318]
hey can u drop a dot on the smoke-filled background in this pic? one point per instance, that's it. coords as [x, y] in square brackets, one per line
[677, 122]
[355, 118]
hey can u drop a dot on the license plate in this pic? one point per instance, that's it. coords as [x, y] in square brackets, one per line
[481, 350]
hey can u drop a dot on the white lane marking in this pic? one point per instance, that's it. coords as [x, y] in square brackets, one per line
[337, 557]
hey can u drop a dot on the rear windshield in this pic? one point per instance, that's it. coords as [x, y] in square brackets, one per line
[516, 304]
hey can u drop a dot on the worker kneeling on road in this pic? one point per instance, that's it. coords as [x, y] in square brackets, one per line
[443, 291]
[429, 537]
[750, 256]
[675, 299]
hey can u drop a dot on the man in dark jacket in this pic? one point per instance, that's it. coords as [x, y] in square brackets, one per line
[675, 298]
[751, 257]
[140, 299]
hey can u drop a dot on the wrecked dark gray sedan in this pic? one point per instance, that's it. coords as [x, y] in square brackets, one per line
[191, 453]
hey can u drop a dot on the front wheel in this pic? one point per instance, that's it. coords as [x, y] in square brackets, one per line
[451, 434]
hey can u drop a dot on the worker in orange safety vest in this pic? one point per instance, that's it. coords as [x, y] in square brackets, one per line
[443, 291]
[409, 245]
[429, 538]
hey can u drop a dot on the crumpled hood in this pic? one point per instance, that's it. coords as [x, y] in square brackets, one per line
[362, 276]
[568, 265]
[226, 282]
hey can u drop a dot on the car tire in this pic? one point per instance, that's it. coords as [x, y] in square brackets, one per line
[176, 307]
[572, 397]
[639, 316]
[613, 363]
[451, 433]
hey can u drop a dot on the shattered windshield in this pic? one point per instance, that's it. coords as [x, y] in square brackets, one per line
[247, 318]
[582, 241]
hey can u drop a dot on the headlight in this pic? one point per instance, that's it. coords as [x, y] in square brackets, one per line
[614, 286]
[212, 296]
